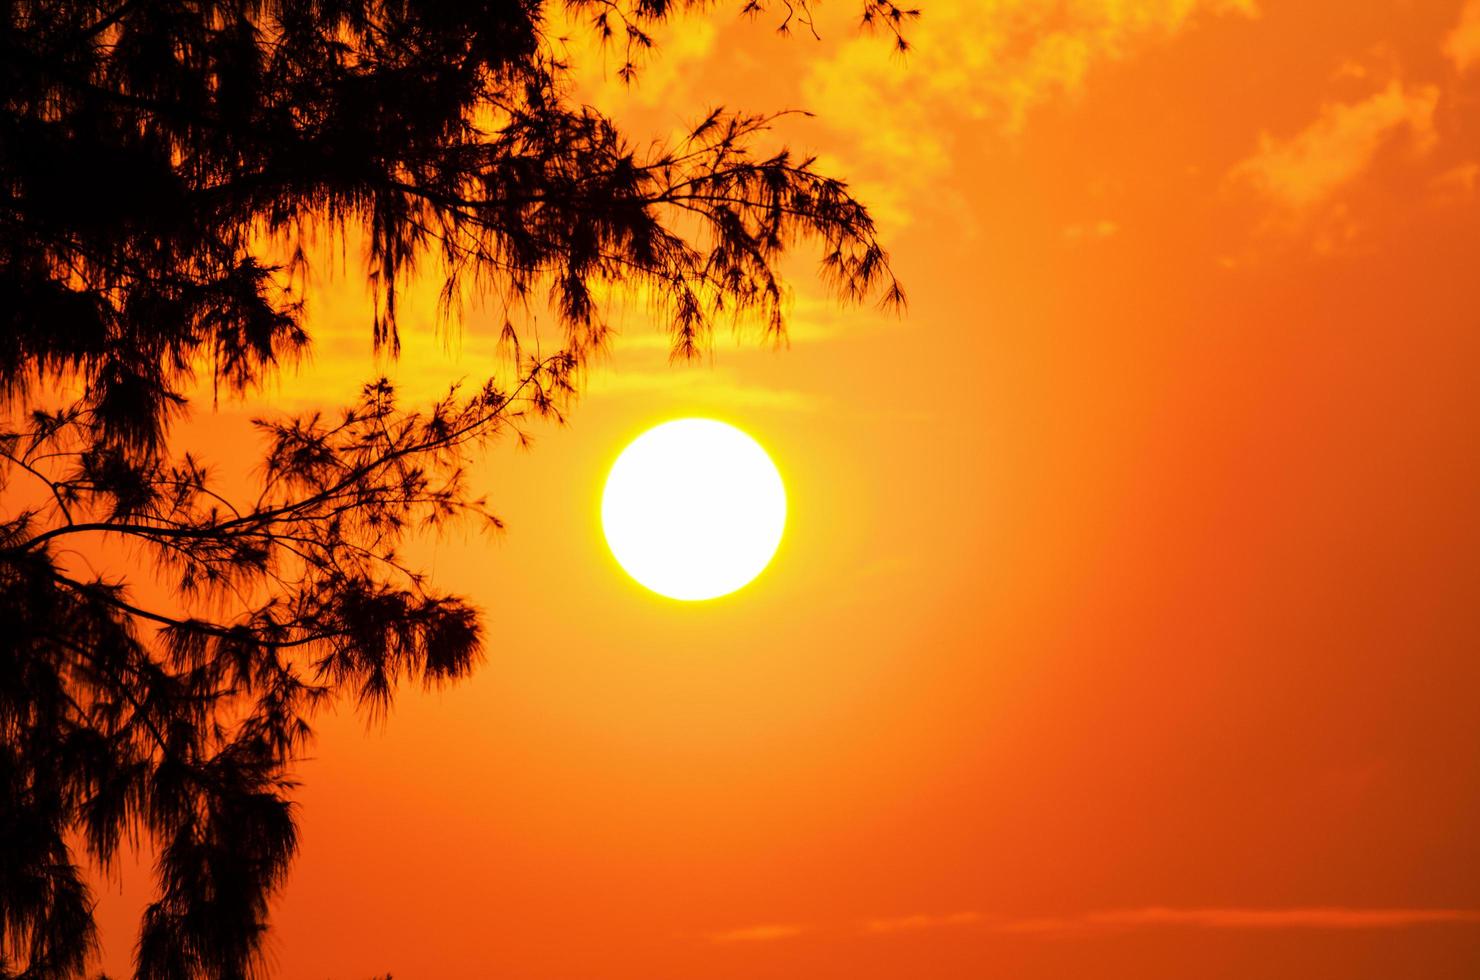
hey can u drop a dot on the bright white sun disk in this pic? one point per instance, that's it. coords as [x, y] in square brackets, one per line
[693, 509]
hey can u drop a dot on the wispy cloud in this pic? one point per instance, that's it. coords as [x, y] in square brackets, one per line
[758, 934]
[911, 923]
[1306, 170]
[1158, 917]
[1316, 917]
[1457, 184]
[974, 64]
[680, 46]
[1091, 231]
[1462, 44]
[701, 386]
[1323, 917]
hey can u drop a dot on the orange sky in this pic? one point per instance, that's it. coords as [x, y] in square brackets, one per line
[1126, 622]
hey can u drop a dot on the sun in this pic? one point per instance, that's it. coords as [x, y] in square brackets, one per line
[693, 509]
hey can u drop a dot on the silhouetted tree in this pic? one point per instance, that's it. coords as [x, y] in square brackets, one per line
[150, 154]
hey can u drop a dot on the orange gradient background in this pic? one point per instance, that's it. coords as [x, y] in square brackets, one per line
[1126, 623]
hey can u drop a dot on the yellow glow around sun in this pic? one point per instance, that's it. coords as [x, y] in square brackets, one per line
[693, 509]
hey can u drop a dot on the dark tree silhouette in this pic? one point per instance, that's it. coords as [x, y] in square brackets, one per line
[150, 153]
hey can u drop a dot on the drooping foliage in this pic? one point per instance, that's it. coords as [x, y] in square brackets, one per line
[152, 157]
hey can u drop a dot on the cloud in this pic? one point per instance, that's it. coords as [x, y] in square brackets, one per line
[812, 316]
[990, 62]
[1091, 231]
[1462, 45]
[680, 46]
[1306, 170]
[1317, 917]
[1159, 917]
[1457, 184]
[758, 934]
[994, 59]
[706, 387]
[910, 923]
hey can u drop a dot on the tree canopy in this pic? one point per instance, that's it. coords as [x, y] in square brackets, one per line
[151, 154]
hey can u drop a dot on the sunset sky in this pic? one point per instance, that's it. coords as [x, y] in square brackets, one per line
[1127, 618]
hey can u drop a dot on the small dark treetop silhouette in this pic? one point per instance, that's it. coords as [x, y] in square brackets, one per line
[147, 151]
